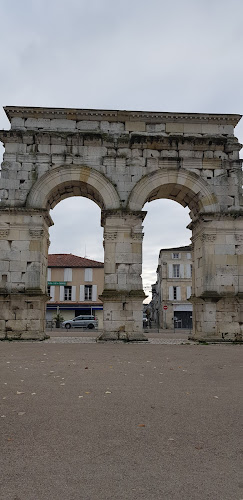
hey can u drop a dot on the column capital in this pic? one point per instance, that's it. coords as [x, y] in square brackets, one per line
[122, 214]
[17, 211]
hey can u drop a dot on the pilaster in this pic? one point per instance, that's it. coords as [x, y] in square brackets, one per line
[24, 250]
[217, 293]
[123, 293]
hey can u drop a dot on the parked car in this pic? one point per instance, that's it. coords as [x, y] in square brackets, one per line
[81, 322]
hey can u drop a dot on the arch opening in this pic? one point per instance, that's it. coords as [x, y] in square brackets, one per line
[182, 186]
[75, 276]
[167, 264]
[73, 188]
[62, 182]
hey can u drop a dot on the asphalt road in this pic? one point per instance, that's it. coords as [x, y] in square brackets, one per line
[122, 421]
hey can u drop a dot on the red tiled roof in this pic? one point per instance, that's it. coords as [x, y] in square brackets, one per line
[70, 260]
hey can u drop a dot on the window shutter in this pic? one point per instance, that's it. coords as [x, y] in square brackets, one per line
[88, 274]
[170, 270]
[52, 294]
[188, 270]
[181, 271]
[188, 292]
[73, 293]
[68, 274]
[61, 293]
[48, 274]
[94, 293]
[81, 293]
[170, 292]
[178, 293]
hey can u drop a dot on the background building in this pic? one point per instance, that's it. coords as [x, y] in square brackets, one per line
[170, 305]
[74, 284]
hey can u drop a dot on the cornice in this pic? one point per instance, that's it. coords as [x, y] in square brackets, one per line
[118, 115]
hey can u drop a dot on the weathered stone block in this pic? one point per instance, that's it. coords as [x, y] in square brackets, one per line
[17, 123]
[15, 147]
[124, 152]
[17, 266]
[151, 153]
[63, 124]
[155, 127]
[122, 280]
[193, 128]
[110, 279]
[174, 127]
[16, 277]
[88, 125]
[20, 245]
[112, 127]
[4, 266]
[45, 149]
[135, 126]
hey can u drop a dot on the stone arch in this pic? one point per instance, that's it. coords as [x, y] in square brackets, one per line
[75, 180]
[182, 186]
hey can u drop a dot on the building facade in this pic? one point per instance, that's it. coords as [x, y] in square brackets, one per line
[171, 293]
[74, 285]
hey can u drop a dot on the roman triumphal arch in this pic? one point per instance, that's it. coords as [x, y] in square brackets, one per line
[121, 160]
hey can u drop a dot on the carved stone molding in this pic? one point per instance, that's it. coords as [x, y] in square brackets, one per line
[136, 235]
[209, 237]
[4, 233]
[110, 236]
[239, 237]
[36, 233]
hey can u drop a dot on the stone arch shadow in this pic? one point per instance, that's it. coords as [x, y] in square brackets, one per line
[77, 180]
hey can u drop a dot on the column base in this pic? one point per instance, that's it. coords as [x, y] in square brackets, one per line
[22, 316]
[123, 315]
[217, 319]
[123, 336]
[215, 340]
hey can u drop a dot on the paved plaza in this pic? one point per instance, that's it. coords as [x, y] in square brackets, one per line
[82, 420]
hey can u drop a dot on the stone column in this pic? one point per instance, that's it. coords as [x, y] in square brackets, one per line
[123, 293]
[217, 293]
[24, 252]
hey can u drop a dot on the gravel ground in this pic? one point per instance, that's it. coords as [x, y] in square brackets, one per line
[114, 421]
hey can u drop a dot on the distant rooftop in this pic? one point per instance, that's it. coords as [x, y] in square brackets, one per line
[176, 249]
[70, 260]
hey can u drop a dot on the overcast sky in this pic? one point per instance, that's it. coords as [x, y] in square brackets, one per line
[183, 56]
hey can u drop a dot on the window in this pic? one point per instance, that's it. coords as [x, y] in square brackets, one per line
[174, 293]
[176, 270]
[68, 274]
[175, 255]
[189, 255]
[88, 274]
[88, 292]
[67, 293]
